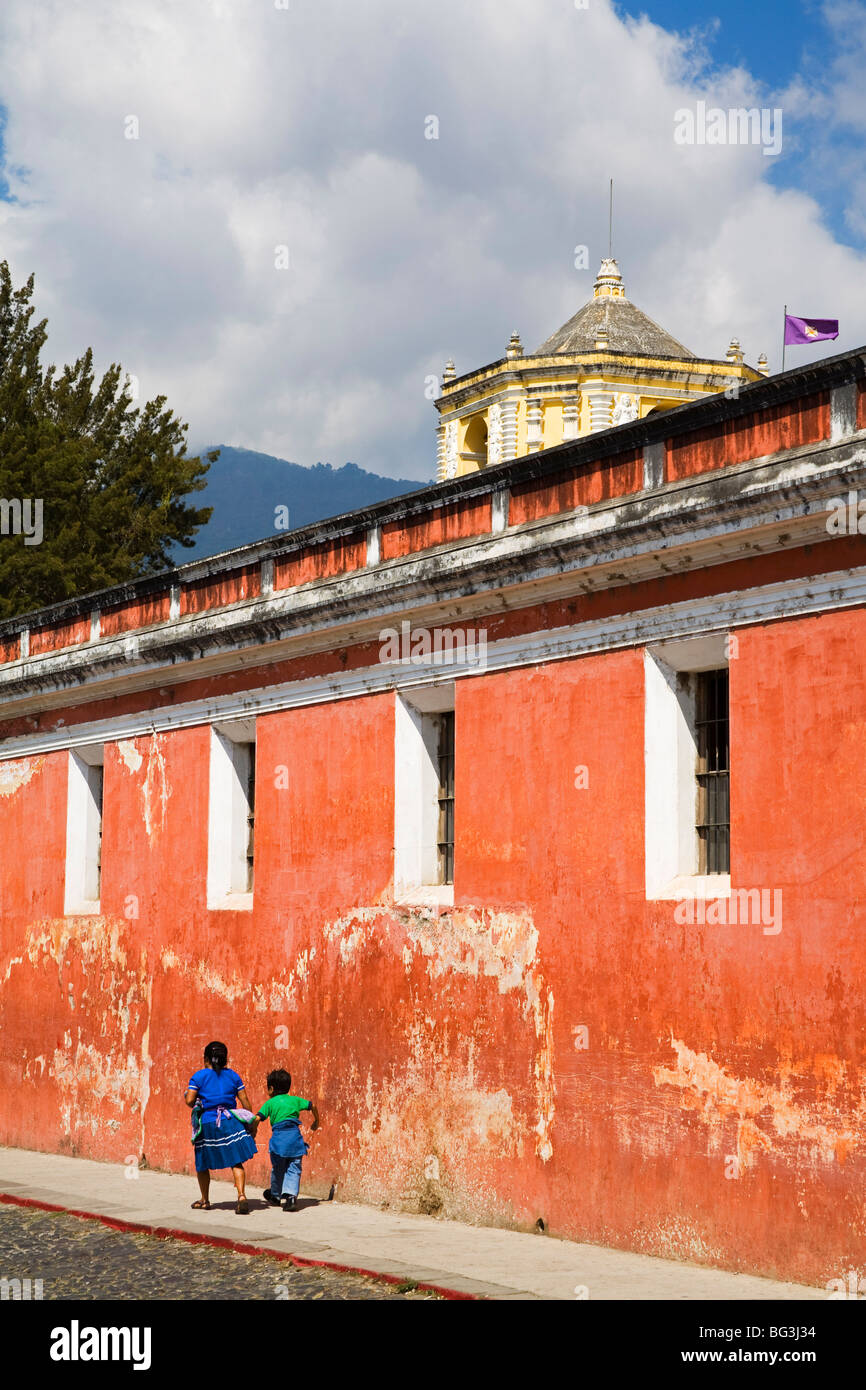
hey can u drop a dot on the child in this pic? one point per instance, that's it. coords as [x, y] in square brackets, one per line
[288, 1145]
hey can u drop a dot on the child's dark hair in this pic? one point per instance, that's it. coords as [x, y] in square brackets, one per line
[217, 1054]
[279, 1082]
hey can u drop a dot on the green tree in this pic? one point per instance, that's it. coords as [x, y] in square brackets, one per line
[112, 478]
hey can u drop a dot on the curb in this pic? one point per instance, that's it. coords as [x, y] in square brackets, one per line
[224, 1243]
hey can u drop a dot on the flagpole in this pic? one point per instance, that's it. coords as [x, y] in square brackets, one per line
[784, 335]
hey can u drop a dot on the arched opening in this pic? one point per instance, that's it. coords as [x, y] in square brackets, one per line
[474, 451]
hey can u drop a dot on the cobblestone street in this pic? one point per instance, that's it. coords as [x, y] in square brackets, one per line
[78, 1259]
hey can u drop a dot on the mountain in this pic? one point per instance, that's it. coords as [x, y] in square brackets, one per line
[245, 488]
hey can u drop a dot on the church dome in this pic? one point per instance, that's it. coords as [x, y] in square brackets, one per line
[627, 328]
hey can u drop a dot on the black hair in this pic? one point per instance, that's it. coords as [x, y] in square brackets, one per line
[279, 1082]
[217, 1054]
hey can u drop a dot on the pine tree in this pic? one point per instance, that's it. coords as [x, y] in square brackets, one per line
[112, 477]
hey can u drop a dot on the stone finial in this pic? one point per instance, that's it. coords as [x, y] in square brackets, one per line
[515, 347]
[608, 283]
[763, 365]
[734, 352]
[450, 371]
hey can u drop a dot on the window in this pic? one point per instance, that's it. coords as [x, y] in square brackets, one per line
[713, 773]
[231, 816]
[424, 824]
[83, 884]
[474, 451]
[250, 770]
[687, 769]
[446, 797]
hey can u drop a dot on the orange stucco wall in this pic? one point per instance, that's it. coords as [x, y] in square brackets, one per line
[446, 1050]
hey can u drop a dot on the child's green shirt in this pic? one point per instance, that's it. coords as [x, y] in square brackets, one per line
[280, 1108]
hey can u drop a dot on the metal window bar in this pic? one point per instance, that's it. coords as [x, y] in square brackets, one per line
[446, 797]
[712, 736]
[251, 814]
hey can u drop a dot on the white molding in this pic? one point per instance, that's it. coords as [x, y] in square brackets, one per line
[687, 886]
[764, 506]
[740, 608]
[432, 895]
[374, 545]
[500, 504]
[227, 821]
[843, 411]
[81, 881]
[416, 800]
[670, 754]
[654, 456]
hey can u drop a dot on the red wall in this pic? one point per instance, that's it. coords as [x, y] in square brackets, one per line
[787, 426]
[126, 617]
[450, 1043]
[577, 487]
[450, 523]
[221, 589]
[52, 639]
[320, 562]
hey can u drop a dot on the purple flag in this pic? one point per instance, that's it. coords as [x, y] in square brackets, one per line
[809, 330]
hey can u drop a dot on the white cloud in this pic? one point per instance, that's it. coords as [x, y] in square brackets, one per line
[261, 127]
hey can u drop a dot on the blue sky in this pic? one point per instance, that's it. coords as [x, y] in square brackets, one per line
[772, 38]
[779, 42]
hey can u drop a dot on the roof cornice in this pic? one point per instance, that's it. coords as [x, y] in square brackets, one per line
[715, 411]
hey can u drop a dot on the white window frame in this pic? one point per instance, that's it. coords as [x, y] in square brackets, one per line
[416, 796]
[228, 812]
[670, 761]
[82, 886]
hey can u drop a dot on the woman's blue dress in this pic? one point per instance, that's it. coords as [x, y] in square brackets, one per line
[223, 1142]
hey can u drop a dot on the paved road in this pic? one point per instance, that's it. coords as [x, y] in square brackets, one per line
[79, 1259]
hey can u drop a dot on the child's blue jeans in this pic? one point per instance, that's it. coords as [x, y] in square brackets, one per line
[285, 1175]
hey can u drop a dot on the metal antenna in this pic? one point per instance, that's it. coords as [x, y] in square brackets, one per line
[610, 224]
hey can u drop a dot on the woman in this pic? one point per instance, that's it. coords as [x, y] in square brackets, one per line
[221, 1141]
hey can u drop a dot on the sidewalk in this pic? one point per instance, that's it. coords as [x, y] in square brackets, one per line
[472, 1261]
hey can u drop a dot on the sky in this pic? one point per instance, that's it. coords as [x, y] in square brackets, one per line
[238, 199]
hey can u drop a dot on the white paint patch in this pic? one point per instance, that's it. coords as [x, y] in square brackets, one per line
[273, 997]
[155, 790]
[129, 754]
[765, 1114]
[17, 774]
[477, 942]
